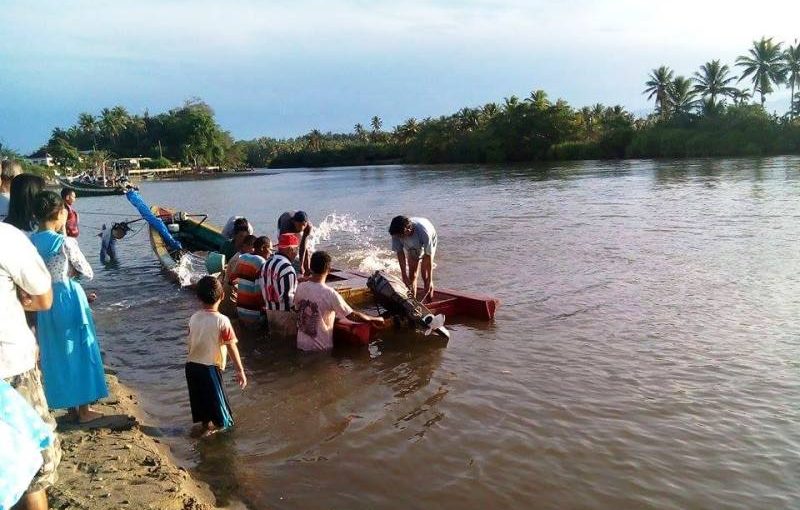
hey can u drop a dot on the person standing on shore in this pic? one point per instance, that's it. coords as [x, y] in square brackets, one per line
[70, 354]
[24, 189]
[25, 285]
[279, 285]
[318, 306]
[211, 338]
[414, 241]
[297, 223]
[9, 169]
[68, 195]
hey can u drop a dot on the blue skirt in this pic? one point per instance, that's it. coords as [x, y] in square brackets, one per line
[72, 368]
[207, 396]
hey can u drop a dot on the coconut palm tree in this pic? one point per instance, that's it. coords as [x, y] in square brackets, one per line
[681, 95]
[713, 80]
[764, 65]
[658, 86]
[740, 96]
[314, 140]
[88, 124]
[376, 124]
[791, 58]
[538, 99]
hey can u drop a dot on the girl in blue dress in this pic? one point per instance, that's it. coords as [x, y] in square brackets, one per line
[72, 368]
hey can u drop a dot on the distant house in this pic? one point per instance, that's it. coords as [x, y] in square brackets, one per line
[129, 163]
[41, 158]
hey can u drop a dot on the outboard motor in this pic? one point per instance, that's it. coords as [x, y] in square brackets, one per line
[392, 294]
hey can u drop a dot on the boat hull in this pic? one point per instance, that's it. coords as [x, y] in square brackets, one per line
[84, 190]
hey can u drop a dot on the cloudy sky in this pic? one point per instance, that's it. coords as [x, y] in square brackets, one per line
[284, 67]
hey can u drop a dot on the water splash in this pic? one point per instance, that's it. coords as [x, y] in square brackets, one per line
[359, 244]
[191, 267]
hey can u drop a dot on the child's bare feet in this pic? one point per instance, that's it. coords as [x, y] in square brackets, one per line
[210, 430]
[87, 414]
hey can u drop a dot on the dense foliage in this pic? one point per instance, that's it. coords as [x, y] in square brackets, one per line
[188, 134]
[704, 115]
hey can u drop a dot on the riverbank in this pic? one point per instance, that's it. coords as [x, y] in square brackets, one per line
[117, 463]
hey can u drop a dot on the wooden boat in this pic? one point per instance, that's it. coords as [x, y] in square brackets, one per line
[83, 189]
[199, 236]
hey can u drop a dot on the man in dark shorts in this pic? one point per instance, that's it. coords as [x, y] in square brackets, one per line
[25, 285]
[297, 223]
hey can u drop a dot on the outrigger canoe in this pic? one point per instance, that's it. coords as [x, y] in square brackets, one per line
[201, 237]
[84, 189]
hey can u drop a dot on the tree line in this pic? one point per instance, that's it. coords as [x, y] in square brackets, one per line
[707, 114]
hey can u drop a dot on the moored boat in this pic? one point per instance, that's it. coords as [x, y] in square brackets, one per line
[84, 189]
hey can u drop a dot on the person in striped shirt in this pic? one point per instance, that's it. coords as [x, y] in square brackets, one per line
[249, 299]
[279, 285]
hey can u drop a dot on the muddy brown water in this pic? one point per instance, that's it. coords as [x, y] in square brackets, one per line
[644, 356]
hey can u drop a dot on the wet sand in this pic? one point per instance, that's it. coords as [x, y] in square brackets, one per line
[117, 463]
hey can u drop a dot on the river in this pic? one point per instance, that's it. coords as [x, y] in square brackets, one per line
[644, 355]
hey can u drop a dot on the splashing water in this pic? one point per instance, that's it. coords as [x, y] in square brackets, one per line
[191, 267]
[357, 242]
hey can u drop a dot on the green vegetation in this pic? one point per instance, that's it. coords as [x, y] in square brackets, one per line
[188, 134]
[707, 114]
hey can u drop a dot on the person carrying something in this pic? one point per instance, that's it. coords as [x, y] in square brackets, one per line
[249, 299]
[211, 339]
[70, 354]
[297, 223]
[318, 306]
[279, 285]
[68, 195]
[414, 241]
[25, 285]
[233, 221]
[10, 169]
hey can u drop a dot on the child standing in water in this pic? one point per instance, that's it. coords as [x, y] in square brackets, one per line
[211, 337]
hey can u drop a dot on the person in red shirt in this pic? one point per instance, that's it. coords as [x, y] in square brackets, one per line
[68, 194]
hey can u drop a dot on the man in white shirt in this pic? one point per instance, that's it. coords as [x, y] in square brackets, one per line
[10, 169]
[25, 285]
[414, 241]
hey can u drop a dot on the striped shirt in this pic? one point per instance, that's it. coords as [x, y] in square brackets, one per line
[280, 283]
[249, 299]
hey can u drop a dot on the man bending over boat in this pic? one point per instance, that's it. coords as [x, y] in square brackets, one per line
[279, 285]
[414, 241]
[318, 306]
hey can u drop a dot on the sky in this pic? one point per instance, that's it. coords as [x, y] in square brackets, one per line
[282, 68]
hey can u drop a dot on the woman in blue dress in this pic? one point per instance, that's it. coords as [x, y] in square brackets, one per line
[72, 368]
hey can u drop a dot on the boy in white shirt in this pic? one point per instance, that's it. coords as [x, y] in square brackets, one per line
[318, 306]
[211, 337]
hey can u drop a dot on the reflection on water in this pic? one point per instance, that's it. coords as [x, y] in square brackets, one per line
[643, 357]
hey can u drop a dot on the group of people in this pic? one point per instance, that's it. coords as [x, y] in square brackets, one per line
[284, 292]
[49, 351]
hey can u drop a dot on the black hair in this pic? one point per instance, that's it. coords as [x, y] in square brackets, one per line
[398, 225]
[209, 290]
[320, 262]
[240, 221]
[65, 192]
[47, 206]
[241, 227]
[260, 242]
[249, 239]
[24, 188]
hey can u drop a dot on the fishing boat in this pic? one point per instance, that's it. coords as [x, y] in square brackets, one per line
[204, 239]
[86, 189]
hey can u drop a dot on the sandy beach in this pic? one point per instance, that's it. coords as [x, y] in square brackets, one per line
[116, 464]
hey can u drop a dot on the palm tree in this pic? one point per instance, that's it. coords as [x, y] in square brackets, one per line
[361, 133]
[681, 95]
[658, 86]
[740, 96]
[376, 124]
[791, 58]
[712, 80]
[765, 65]
[407, 130]
[88, 124]
[538, 99]
[314, 140]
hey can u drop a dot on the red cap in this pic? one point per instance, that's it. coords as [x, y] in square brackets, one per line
[288, 241]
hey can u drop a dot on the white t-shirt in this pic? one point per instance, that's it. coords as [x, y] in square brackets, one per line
[317, 308]
[20, 266]
[209, 333]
